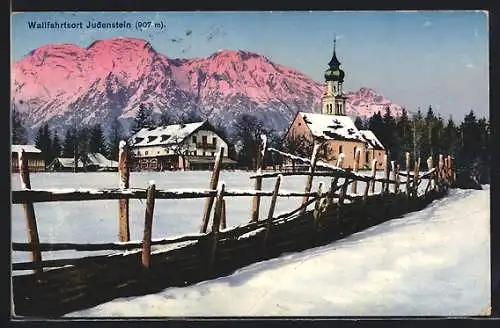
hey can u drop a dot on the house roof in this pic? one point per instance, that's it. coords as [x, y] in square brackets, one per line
[26, 148]
[66, 162]
[372, 139]
[332, 127]
[99, 160]
[164, 135]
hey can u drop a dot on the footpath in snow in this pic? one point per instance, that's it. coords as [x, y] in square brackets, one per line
[435, 262]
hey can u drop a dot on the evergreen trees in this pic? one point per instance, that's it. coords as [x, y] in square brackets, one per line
[43, 142]
[431, 135]
[115, 135]
[143, 119]
[19, 132]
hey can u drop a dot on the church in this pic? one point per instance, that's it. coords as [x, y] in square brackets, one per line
[334, 128]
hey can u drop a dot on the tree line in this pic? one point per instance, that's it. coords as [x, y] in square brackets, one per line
[422, 136]
[430, 135]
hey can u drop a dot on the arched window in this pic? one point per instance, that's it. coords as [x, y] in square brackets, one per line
[340, 149]
[354, 154]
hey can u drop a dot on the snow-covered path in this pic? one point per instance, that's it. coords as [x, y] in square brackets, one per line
[435, 262]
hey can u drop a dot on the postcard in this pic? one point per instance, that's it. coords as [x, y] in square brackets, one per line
[250, 164]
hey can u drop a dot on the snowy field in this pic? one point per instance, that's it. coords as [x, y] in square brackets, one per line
[432, 262]
[435, 262]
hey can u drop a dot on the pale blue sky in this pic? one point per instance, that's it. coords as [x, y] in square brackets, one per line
[416, 59]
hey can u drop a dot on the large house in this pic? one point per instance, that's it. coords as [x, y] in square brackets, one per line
[191, 146]
[334, 129]
[36, 163]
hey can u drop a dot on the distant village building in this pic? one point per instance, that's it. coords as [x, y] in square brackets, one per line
[36, 163]
[191, 146]
[91, 162]
[334, 128]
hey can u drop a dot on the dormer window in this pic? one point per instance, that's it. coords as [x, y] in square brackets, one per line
[164, 137]
[151, 138]
[138, 139]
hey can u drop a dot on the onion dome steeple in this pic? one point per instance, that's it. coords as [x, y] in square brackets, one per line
[334, 73]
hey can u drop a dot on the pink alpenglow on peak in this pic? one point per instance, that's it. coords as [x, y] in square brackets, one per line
[111, 78]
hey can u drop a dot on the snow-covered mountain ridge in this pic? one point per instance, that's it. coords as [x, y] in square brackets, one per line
[64, 83]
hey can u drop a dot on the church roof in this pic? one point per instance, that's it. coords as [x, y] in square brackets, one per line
[334, 62]
[372, 140]
[332, 127]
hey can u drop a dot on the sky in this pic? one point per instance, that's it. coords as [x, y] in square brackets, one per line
[416, 59]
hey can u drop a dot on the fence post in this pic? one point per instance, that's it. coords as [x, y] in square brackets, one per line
[258, 180]
[354, 187]
[148, 225]
[312, 167]
[416, 170]
[333, 186]
[271, 210]
[387, 169]
[407, 174]
[216, 222]
[123, 204]
[440, 170]
[374, 174]
[223, 223]
[394, 174]
[29, 211]
[450, 163]
[317, 204]
[212, 186]
[429, 168]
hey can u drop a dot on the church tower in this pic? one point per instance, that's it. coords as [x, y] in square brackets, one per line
[333, 99]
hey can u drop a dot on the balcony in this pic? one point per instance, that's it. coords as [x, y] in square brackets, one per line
[205, 145]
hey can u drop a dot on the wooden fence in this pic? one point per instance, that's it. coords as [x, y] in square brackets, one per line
[332, 205]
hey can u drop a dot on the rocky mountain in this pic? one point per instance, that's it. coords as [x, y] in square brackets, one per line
[64, 84]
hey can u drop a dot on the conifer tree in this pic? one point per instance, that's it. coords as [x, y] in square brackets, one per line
[97, 141]
[115, 135]
[19, 132]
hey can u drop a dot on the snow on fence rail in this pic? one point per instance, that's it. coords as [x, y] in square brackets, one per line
[437, 178]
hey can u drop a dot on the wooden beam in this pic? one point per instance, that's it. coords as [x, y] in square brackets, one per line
[148, 226]
[29, 211]
[354, 186]
[335, 180]
[312, 167]
[216, 222]
[223, 222]
[374, 174]
[258, 180]
[407, 174]
[214, 180]
[270, 214]
[23, 196]
[123, 204]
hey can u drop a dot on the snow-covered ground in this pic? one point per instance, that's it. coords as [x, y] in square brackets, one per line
[97, 221]
[432, 262]
[435, 262]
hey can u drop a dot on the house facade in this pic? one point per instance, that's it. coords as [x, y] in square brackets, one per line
[191, 146]
[334, 129]
[36, 163]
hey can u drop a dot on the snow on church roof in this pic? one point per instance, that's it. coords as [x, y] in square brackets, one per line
[164, 135]
[338, 127]
[372, 139]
